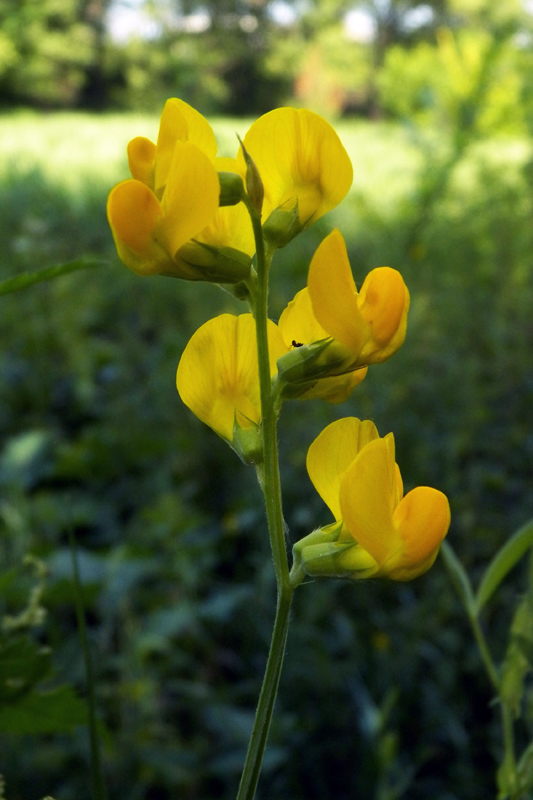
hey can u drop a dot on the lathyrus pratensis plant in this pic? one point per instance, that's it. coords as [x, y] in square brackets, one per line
[188, 214]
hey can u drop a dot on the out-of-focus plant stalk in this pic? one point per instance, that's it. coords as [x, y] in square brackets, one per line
[99, 790]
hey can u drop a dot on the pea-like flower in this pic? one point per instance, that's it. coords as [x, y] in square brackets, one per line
[218, 379]
[167, 220]
[378, 532]
[340, 329]
[302, 163]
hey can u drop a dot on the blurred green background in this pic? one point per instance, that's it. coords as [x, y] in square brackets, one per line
[382, 694]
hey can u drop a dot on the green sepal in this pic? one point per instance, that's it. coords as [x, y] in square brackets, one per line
[302, 366]
[325, 553]
[215, 264]
[282, 226]
[248, 444]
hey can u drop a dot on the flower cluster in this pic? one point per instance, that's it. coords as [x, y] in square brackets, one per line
[190, 214]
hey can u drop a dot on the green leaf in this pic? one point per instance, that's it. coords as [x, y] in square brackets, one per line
[460, 579]
[518, 657]
[504, 560]
[57, 711]
[26, 279]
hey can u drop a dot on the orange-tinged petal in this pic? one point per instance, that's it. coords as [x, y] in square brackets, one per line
[384, 303]
[190, 200]
[180, 122]
[367, 495]
[334, 295]
[141, 160]
[422, 520]
[301, 160]
[135, 216]
[332, 453]
[218, 377]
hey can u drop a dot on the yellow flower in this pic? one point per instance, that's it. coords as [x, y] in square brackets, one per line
[299, 327]
[167, 219]
[218, 376]
[378, 532]
[343, 329]
[301, 161]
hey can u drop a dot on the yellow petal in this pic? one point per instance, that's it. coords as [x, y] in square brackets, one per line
[180, 122]
[336, 389]
[334, 295]
[231, 227]
[422, 520]
[301, 160]
[332, 453]
[224, 164]
[384, 303]
[190, 200]
[135, 216]
[367, 495]
[298, 322]
[141, 159]
[217, 376]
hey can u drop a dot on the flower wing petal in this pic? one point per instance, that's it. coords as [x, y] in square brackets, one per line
[336, 389]
[332, 453]
[231, 227]
[135, 215]
[367, 494]
[298, 322]
[334, 295]
[190, 201]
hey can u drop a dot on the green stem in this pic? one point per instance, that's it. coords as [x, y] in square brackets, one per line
[484, 651]
[267, 699]
[97, 778]
[508, 746]
[269, 479]
[506, 713]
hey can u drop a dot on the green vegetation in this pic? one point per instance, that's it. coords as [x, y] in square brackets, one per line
[172, 544]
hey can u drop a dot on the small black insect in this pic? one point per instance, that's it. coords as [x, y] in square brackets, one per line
[296, 344]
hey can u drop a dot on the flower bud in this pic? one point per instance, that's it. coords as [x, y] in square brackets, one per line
[254, 184]
[231, 188]
[216, 264]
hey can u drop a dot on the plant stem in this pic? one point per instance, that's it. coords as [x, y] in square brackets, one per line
[506, 714]
[484, 651]
[270, 482]
[269, 478]
[267, 699]
[97, 779]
